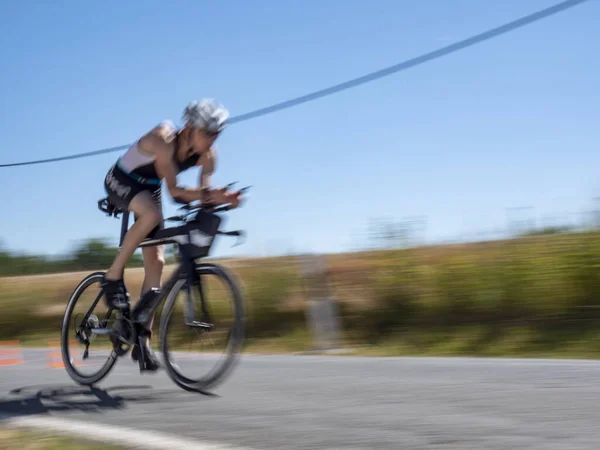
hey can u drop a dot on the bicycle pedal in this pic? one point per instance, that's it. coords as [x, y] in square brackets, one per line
[197, 324]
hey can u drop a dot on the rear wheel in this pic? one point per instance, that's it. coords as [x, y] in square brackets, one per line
[177, 319]
[83, 322]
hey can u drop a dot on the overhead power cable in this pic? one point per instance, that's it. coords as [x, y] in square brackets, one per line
[412, 62]
[64, 158]
[526, 20]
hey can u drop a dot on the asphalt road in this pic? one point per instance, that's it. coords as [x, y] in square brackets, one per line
[312, 402]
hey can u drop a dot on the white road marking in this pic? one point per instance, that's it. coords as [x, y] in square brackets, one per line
[117, 435]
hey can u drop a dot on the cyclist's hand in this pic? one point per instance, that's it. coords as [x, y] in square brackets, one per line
[215, 196]
[233, 198]
[220, 196]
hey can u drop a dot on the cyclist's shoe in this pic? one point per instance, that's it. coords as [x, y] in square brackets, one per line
[141, 309]
[150, 363]
[116, 294]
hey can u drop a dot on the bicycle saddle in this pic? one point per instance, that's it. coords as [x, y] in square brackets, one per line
[106, 206]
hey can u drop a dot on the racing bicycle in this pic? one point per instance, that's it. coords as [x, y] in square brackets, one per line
[193, 238]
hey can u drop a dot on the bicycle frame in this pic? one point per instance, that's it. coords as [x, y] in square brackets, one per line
[146, 307]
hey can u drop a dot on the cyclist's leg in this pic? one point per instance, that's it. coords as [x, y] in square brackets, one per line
[142, 201]
[148, 217]
[153, 268]
[154, 260]
[130, 196]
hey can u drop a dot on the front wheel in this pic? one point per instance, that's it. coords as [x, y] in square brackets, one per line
[190, 310]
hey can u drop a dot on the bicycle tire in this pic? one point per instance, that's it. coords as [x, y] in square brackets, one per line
[75, 375]
[235, 341]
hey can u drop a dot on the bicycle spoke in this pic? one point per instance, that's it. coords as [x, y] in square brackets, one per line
[201, 331]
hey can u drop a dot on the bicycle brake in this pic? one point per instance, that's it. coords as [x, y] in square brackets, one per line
[238, 233]
[240, 239]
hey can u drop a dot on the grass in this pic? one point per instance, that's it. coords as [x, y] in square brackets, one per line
[533, 296]
[473, 341]
[29, 439]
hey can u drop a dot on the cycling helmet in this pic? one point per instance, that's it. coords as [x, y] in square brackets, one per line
[206, 114]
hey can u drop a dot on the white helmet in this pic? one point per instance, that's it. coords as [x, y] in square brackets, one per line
[206, 114]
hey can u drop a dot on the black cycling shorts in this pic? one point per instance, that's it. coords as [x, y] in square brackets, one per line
[121, 189]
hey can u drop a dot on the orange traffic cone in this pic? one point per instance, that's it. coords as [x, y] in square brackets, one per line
[10, 353]
[55, 357]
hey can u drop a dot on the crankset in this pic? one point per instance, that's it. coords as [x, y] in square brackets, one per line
[121, 334]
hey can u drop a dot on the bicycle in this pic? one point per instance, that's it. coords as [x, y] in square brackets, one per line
[193, 239]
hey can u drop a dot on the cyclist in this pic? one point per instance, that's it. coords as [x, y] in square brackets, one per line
[133, 183]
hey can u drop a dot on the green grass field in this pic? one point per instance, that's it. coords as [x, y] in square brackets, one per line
[532, 296]
[26, 439]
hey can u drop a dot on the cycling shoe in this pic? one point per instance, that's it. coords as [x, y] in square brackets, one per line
[115, 294]
[151, 362]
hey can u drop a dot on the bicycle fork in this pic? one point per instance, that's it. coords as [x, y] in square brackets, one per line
[194, 279]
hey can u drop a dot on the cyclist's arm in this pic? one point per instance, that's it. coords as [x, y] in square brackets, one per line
[159, 142]
[208, 163]
[215, 196]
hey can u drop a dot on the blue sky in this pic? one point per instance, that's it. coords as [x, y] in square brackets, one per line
[509, 122]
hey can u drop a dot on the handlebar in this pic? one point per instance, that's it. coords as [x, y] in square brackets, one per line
[197, 207]
[208, 206]
[192, 208]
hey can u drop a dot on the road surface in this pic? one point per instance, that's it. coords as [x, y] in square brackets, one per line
[314, 402]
